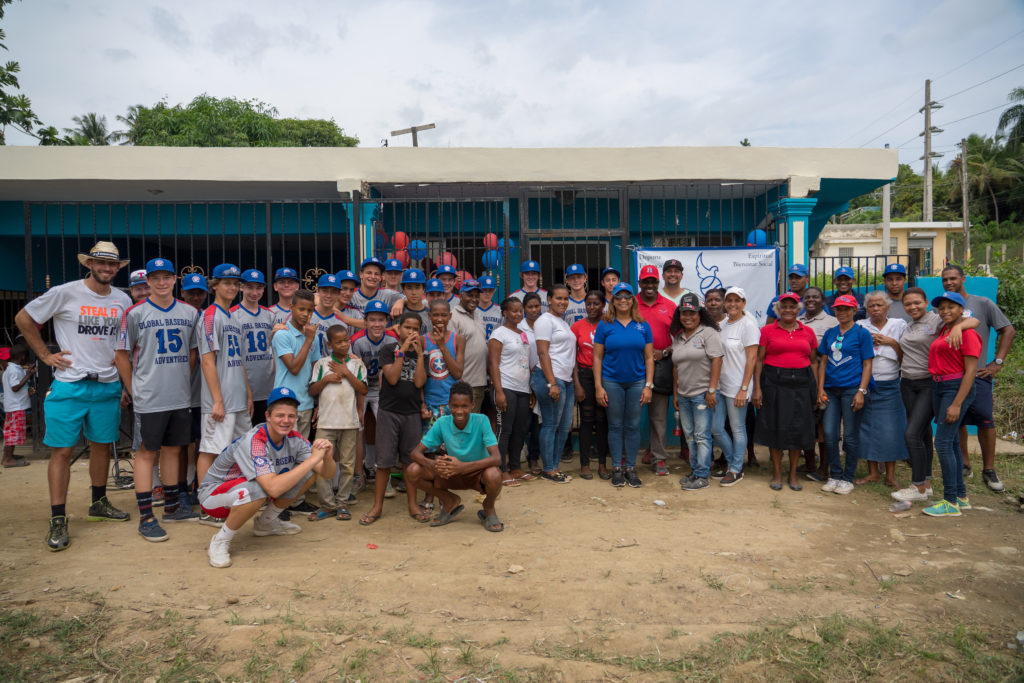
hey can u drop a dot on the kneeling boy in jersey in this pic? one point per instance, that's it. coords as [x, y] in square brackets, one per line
[472, 462]
[271, 461]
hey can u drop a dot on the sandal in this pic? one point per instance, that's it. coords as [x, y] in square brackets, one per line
[795, 487]
[368, 519]
[426, 506]
[490, 522]
[557, 477]
[775, 486]
[422, 516]
[320, 513]
[529, 476]
[19, 461]
[343, 514]
[604, 474]
[445, 517]
[510, 482]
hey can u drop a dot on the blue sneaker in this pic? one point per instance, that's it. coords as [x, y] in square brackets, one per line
[151, 531]
[184, 513]
[942, 509]
[963, 503]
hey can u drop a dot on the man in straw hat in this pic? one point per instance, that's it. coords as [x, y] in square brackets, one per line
[85, 395]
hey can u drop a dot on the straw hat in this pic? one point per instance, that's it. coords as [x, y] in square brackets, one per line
[103, 251]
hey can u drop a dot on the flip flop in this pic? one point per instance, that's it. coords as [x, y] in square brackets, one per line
[20, 461]
[343, 515]
[320, 513]
[422, 516]
[510, 482]
[445, 517]
[529, 476]
[368, 519]
[490, 521]
[426, 506]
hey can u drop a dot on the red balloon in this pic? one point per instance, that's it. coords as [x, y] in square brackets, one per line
[490, 241]
[427, 264]
[400, 240]
[463, 276]
[380, 239]
[403, 256]
[447, 258]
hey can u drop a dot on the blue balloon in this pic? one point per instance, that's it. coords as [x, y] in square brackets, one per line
[417, 249]
[757, 238]
[511, 243]
[492, 258]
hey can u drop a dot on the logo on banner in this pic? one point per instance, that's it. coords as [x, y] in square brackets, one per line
[708, 276]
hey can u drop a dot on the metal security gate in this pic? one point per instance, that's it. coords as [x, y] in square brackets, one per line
[869, 270]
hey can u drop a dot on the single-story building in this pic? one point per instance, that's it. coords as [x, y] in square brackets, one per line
[925, 242]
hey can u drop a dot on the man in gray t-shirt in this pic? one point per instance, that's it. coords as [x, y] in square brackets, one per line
[980, 412]
[85, 394]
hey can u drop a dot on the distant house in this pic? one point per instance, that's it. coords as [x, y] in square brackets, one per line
[925, 243]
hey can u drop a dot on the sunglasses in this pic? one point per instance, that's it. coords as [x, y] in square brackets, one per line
[623, 295]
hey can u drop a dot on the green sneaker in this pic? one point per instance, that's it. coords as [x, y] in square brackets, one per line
[58, 538]
[103, 511]
[963, 503]
[942, 509]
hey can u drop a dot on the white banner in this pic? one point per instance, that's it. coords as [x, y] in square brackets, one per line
[755, 270]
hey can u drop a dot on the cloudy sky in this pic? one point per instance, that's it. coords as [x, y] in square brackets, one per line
[541, 73]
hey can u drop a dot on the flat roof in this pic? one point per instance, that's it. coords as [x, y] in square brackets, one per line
[125, 173]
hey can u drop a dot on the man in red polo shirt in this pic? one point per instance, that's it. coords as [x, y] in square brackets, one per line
[657, 310]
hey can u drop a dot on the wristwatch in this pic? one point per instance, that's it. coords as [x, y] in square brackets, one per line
[649, 385]
[550, 385]
[712, 390]
[743, 388]
[862, 390]
[999, 361]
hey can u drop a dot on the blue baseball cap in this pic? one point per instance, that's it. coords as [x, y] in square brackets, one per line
[844, 271]
[281, 394]
[622, 287]
[372, 261]
[328, 280]
[488, 282]
[896, 268]
[445, 269]
[227, 271]
[414, 276]
[346, 276]
[159, 265]
[609, 269]
[529, 267]
[798, 269]
[194, 281]
[393, 265]
[949, 296]
[575, 269]
[469, 286]
[286, 274]
[375, 306]
[254, 275]
[434, 285]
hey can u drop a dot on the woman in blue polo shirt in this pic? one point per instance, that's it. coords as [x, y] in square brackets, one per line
[623, 379]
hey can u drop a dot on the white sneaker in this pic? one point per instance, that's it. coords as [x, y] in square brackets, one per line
[389, 492]
[275, 527]
[219, 555]
[844, 488]
[911, 494]
[830, 485]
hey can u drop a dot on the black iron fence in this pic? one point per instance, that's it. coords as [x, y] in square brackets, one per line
[869, 270]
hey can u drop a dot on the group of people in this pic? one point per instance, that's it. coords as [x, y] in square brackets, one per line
[246, 409]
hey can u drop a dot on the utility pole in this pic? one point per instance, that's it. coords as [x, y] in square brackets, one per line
[928, 154]
[963, 199]
[886, 219]
[414, 130]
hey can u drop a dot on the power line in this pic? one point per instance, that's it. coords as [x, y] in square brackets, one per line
[982, 54]
[890, 129]
[987, 80]
[971, 116]
[858, 132]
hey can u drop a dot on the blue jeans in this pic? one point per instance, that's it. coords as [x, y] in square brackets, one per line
[947, 437]
[623, 414]
[696, 419]
[733, 446]
[556, 418]
[840, 407]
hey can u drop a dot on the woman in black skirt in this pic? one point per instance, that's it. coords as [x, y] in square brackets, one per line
[784, 388]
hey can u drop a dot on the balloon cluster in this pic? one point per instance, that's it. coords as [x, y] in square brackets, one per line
[406, 251]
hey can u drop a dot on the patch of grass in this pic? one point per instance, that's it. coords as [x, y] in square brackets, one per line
[712, 581]
[467, 655]
[235, 619]
[303, 662]
[659, 577]
[421, 640]
[260, 668]
[799, 588]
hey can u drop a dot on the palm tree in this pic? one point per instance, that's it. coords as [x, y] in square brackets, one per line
[131, 120]
[986, 167]
[1013, 119]
[91, 130]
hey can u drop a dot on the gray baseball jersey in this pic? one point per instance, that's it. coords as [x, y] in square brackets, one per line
[160, 340]
[254, 455]
[359, 300]
[353, 312]
[222, 336]
[322, 325]
[490, 318]
[281, 315]
[257, 353]
[369, 352]
[577, 310]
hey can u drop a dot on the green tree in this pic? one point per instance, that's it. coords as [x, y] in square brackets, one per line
[1013, 120]
[987, 168]
[91, 129]
[745, 142]
[211, 122]
[15, 107]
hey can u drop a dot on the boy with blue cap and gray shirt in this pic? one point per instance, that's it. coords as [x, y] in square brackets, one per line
[257, 324]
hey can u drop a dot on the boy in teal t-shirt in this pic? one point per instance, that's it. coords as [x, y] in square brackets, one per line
[470, 462]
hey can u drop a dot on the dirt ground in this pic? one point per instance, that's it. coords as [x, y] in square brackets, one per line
[587, 582]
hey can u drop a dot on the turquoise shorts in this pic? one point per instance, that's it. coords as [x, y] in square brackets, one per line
[88, 406]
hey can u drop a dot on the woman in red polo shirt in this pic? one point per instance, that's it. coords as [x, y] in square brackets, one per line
[784, 388]
[952, 370]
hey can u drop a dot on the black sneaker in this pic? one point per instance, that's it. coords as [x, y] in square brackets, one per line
[718, 474]
[152, 531]
[991, 480]
[731, 478]
[351, 500]
[695, 484]
[683, 480]
[58, 538]
[618, 479]
[968, 472]
[400, 485]
[285, 516]
[815, 476]
[303, 506]
[103, 511]
[632, 479]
